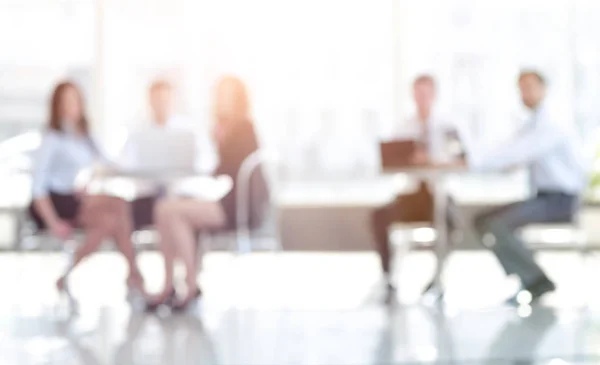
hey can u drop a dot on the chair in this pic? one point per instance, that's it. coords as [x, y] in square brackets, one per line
[555, 235]
[29, 239]
[247, 237]
[271, 215]
[559, 235]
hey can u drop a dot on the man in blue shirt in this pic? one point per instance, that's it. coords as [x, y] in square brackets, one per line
[557, 173]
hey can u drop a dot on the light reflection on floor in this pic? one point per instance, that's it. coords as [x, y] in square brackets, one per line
[300, 309]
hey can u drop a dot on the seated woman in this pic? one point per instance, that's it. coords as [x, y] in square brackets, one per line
[178, 220]
[57, 205]
[163, 118]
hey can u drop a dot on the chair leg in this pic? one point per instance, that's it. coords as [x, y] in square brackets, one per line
[243, 240]
[584, 252]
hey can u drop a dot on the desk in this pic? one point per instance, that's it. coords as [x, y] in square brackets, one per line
[435, 177]
[179, 182]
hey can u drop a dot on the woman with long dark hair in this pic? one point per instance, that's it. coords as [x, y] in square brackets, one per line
[67, 149]
[179, 220]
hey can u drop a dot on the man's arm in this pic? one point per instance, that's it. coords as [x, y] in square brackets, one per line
[525, 148]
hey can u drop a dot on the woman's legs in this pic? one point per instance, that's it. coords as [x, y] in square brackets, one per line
[178, 221]
[103, 217]
[95, 233]
[122, 235]
[167, 249]
[97, 226]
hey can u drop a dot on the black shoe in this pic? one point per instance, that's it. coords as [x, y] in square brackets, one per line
[535, 291]
[432, 289]
[390, 295]
[429, 287]
[182, 306]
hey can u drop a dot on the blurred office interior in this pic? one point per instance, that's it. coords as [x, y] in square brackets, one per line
[329, 79]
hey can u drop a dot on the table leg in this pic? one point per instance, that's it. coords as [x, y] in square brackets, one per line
[440, 202]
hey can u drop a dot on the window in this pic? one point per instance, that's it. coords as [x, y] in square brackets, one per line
[48, 41]
[476, 49]
[328, 78]
[320, 72]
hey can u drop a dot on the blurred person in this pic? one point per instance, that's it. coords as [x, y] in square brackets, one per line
[554, 157]
[163, 118]
[58, 204]
[433, 133]
[179, 220]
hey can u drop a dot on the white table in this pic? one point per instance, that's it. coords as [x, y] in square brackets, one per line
[180, 182]
[435, 177]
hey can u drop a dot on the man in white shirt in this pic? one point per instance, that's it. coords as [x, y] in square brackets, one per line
[434, 135]
[163, 118]
[558, 175]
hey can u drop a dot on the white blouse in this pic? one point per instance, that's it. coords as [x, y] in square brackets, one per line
[206, 160]
[59, 160]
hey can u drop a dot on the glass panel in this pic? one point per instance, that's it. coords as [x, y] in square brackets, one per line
[321, 78]
[475, 50]
[48, 41]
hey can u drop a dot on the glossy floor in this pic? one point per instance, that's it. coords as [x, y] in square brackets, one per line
[299, 309]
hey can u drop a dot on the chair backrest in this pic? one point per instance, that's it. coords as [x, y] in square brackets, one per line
[258, 172]
[268, 164]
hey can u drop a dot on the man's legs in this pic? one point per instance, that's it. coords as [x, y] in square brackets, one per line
[497, 230]
[415, 207]
[381, 219]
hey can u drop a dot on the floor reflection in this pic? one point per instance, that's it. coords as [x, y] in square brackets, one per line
[521, 336]
[311, 324]
[405, 335]
[165, 340]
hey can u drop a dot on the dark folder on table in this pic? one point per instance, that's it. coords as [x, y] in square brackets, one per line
[397, 153]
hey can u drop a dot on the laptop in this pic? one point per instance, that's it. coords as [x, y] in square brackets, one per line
[398, 153]
[165, 150]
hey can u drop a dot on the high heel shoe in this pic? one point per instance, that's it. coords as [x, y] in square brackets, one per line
[168, 300]
[62, 285]
[182, 306]
[135, 287]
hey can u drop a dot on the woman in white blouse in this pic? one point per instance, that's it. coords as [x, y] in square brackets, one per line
[58, 205]
[161, 100]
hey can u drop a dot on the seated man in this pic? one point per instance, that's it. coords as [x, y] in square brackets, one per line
[557, 175]
[433, 135]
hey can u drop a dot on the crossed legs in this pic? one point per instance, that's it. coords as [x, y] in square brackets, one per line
[178, 221]
[104, 217]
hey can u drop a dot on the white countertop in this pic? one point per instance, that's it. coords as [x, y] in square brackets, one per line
[466, 189]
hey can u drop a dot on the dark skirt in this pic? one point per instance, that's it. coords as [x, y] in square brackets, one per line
[67, 208]
[143, 212]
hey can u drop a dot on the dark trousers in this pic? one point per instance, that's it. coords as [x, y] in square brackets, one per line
[410, 208]
[497, 230]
